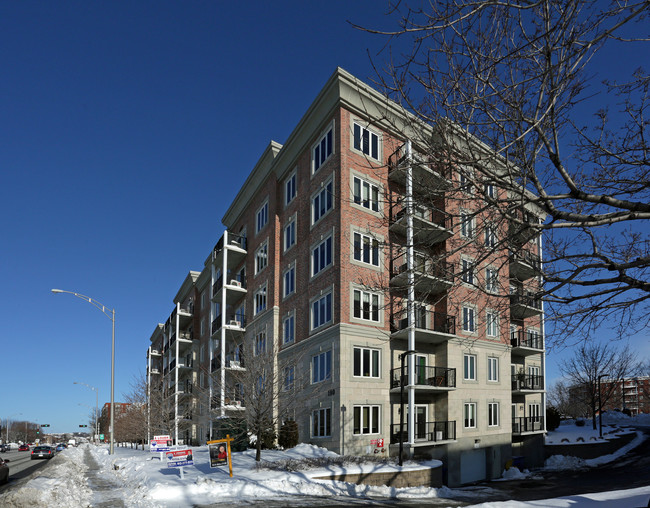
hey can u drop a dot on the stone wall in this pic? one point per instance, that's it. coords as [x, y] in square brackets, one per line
[428, 477]
[589, 449]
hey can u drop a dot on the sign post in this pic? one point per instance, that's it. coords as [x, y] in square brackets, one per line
[220, 453]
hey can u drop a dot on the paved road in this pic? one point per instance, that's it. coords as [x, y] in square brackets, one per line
[21, 465]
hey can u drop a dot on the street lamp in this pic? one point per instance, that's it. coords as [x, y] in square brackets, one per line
[600, 405]
[111, 315]
[96, 407]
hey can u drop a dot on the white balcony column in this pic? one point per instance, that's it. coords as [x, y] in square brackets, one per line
[177, 327]
[222, 352]
[411, 293]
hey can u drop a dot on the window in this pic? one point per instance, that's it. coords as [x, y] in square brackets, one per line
[289, 378]
[365, 194]
[322, 150]
[533, 411]
[260, 343]
[321, 367]
[289, 281]
[489, 190]
[467, 271]
[366, 305]
[203, 298]
[261, 257]
[366, 141]
[290, 189]
[493, 414]
[202, 354]
[491, 280]
[321, 256]
[466, 225]
[260, 300]
[366, 249]
[202, 327]
[321, 203]
[202, 380]
[288, 329]
[321, 311]
[469, 322]
[366, 362]
[290, 234]
[490, 236]
[469, 367]
[492, 323]
[321, 422]
[262, 217]
[366, 420]
[493, 369]
[465, 178]
[469, 414]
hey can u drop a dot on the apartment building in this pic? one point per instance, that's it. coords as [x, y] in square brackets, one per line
[630, 394]
[390, 281]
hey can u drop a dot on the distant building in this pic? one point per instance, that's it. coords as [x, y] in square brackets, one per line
[631, 394]
[318, 221]
[105, 416]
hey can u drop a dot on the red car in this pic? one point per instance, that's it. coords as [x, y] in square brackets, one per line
[23, 448]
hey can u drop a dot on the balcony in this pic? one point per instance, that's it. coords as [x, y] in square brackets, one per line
[523, 226]
[234, 323]
[234, 249]
[430, 225]
[527, 383]
[154, 371]
[524, 305]
[427, 379]
[154, 352]
[525, 344]
[524, 265]
[429, 277]
[426, 433]
[231, 363]
[235, 288]
[424, 173]
[527, 425]
[430, 327]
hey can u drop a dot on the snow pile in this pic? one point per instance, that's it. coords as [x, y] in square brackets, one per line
[61, 484]
[515, 474]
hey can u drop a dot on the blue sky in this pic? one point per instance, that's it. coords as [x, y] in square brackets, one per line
[126, 130]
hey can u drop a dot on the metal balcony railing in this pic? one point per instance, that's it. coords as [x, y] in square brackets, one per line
[440, 377]
[522, 381]
[426, 320]
[425, 431]
[529, 339]
[527, 424]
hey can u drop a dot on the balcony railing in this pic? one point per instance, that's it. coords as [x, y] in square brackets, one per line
[430, 214]
[431, 432]
[440, 270]
[531, 340]
[527, 382]
[234, 320]
[524, 256]
[527, 424]
[527, 300]
[233, 239]
[438, 377]
[426, 320]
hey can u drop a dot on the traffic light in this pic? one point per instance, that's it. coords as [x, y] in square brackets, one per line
[45, 424]
[83, 425]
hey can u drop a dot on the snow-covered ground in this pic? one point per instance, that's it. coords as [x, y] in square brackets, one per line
[88, 476]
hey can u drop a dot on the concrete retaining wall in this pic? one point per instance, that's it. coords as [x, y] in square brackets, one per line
[589, 449]
[429, 477]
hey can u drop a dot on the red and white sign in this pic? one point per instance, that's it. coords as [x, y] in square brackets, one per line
[160, 444]
[179, 458]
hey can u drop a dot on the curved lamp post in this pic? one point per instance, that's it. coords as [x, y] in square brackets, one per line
[111, 315]
[96, 390]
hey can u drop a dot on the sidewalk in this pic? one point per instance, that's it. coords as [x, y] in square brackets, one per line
[106, 493]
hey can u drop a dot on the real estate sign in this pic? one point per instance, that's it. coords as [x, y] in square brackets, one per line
[180, 458]
[160, 444]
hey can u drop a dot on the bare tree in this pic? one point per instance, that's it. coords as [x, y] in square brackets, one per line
[591, 361]
[507, 89]
[262, 388]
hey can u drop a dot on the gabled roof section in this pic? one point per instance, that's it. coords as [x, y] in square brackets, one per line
[187, 286]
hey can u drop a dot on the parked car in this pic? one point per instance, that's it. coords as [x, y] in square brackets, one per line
[4, 471]
[42, 452]
[23, 448]
[60, 447]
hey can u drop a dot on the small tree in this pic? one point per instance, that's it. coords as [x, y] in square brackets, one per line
[591, 361]
[266, 385]
[553, 418]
